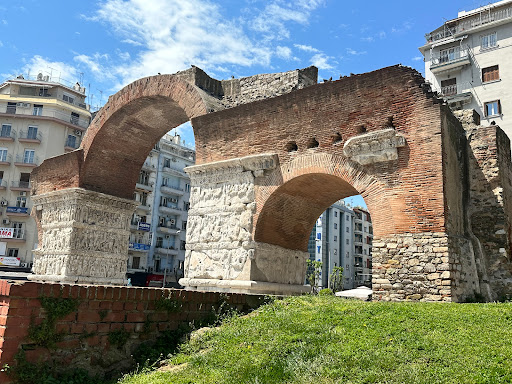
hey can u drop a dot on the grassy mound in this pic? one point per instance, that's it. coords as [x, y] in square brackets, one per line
[322, 339]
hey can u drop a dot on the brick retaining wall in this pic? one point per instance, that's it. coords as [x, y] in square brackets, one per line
[101, 311]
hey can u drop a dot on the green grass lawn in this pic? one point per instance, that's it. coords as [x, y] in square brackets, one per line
[323, 339]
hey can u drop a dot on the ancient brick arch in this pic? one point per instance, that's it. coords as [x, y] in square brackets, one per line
[315, 181]
[382, 134]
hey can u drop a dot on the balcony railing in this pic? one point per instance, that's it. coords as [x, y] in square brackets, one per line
[454, 90]
[458, 55]
[3, 184]
[21, 160]
[5, 159]
[30, 136]
[8, 135]
[20, 185]
[66, 117]
[463, 26]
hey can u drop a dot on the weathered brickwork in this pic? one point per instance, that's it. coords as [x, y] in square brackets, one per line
[86, 340]
[383, 135]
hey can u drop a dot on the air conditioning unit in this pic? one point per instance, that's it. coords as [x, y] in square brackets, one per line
[23, 265]
[3, 203]
[167, 236]
[5, 221]
[173, 200]
[23, 193]
[20, 104]
[78, 132]
[172, 221]
[150, 269]
[26, 105]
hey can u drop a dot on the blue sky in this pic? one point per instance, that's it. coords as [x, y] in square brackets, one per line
[109, 43]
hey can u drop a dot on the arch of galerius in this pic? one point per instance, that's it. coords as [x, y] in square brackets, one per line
[273, 152]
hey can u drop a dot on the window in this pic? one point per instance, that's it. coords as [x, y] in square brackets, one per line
[347, 255]
[24, 180]
[71, 141]
[21, 201]
[489, 41]
[187, 187]
[335, 251]
[135, 262]
[75, 117]
[347, 229]
[346, 217]
[167, 163]
[335, 213]
[319, 236]
[32, 133]
[335, 226]
[28, 156]
[13, 252]
[43, 92]
[68, 98]
[38, 110]
[490, 74]
[335, 238]
[184, 225]
[449, 54]
[1, 176]
[6, 130]
[492, 108]
[182, 245]
[186, 205]
[3, 154]
[159, 242]
[18, 230]
[348, 241]
[11, 107]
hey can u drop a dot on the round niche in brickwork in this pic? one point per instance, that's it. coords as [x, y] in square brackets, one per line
[313, 143]
[292, 147]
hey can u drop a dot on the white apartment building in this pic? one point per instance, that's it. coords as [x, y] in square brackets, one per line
[468, 60]
[39, 119]
[342, 236]
[157, 242]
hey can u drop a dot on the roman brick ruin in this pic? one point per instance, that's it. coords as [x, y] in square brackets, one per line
[273, 152]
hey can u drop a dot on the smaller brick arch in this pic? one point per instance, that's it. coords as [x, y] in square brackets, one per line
[293, 196]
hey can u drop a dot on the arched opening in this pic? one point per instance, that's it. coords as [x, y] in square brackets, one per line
[308, 213]
[313, 143]
[292, 147]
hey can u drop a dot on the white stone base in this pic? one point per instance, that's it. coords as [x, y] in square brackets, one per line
[244, 286]
[78, 279]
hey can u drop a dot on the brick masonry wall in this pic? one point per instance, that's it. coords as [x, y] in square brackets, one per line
[102, 310]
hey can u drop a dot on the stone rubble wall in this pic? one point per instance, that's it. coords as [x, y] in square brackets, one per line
[245, 90]
[490, 211]
[426, 267]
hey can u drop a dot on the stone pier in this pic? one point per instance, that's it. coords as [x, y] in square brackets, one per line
[84, 237]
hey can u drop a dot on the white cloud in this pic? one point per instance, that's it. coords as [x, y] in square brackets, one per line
[4, 22]
[283, 52]
[353, 52]
[57, 70]
[94, 64]
[1, 44]
[417, 58]
[368, 39]
[172, 34]
[320, 60]
[306, 48]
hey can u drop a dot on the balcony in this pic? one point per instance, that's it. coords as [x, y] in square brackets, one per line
[19, 236]
[26, 161]
[7, 135]
[30, 137]
[450, 61]
[148, 166]
[169, 229]
[166, 251]
[456, 93]
[47, 114]
[138, 246]
[171, 190]
[21, 186]
[144, 186]
[170, 210]
[17, 211]
[5, 159]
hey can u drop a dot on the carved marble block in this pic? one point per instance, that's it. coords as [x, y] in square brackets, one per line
[374, 147]
[221, 253]
[84, 237]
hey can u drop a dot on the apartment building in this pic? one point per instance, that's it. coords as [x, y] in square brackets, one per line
[157, 241]
[39, 119]
[342, 236]
[467, 60]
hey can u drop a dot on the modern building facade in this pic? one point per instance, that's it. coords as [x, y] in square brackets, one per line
[39, 119]
[157, 241]
[467, 60]
[342, 237]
